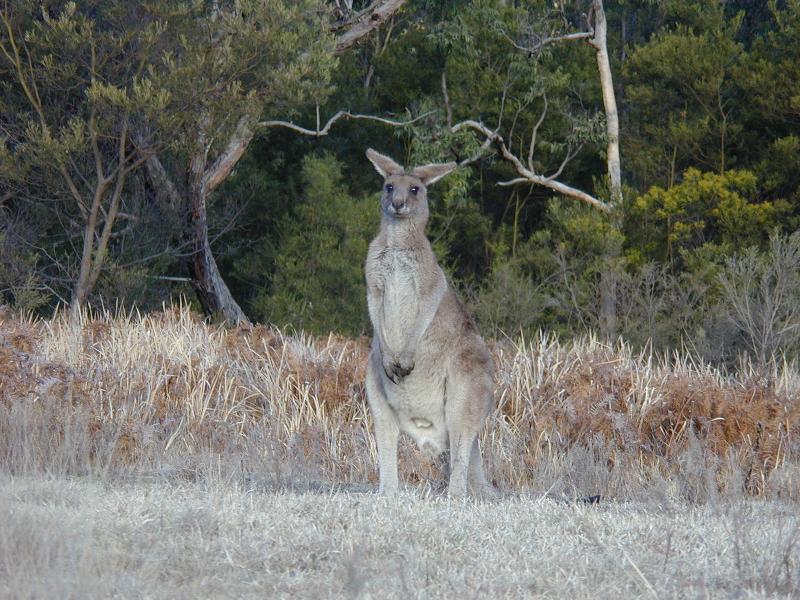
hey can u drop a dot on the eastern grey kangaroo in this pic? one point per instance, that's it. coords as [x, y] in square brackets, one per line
[430, 372]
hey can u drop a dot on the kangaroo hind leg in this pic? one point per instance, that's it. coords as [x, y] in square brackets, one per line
[479, 485]
[387, 430]
[468, 400]
[463, 424]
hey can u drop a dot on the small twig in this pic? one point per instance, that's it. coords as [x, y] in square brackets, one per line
[166, 278]
[535, 132]
[477, 156]
[570, 155]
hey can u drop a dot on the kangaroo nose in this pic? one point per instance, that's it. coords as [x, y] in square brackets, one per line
[398, 204]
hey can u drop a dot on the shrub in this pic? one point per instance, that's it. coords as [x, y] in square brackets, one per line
[760, 292]
[318, 284]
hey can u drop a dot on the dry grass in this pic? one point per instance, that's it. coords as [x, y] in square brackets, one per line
[83, 538]
[162, 392]
[159, 456]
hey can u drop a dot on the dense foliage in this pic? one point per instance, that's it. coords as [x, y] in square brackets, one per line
[709, 110]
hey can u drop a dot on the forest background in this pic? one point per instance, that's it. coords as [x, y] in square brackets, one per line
[158, 150]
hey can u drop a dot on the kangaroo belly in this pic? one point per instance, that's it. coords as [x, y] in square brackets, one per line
[400, 307]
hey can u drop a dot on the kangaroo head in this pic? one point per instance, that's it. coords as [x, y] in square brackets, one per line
[405, 193]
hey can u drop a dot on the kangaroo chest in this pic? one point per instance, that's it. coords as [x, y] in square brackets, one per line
[401, 286]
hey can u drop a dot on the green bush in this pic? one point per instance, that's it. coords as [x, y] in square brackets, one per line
[318, 283]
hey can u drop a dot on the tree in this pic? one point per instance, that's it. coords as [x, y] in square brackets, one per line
[772, 107]
[230, 64]
[225, 65]
[722, 209]
[77, 88]
[681, 89]
[761, 290]
[524, 30]
[318, 285]
[98, 90]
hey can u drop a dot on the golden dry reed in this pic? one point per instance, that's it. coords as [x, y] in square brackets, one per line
[131, 391]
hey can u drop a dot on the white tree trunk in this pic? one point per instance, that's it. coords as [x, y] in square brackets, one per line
[608, 278]
[600, 44]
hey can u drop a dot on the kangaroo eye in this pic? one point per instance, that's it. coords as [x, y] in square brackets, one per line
[414, 190]
[389, 187]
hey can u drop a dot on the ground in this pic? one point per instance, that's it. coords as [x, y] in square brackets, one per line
[95, 538]
[158, 456]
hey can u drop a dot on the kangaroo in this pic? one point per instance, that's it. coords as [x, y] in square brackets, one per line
[429, 373]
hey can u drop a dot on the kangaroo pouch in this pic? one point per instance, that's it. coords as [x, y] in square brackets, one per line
[418, 401]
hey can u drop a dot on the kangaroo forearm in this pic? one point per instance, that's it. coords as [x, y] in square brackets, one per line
[374, 303]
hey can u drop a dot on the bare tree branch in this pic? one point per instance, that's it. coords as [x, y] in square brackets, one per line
[542, 42]
[535, 132]
[568, 157]
[446, 98]
[158, 174]
[167, 278]
[477, 156]
[221, 168]
[364, 22]
[342, 114]
[527, 175]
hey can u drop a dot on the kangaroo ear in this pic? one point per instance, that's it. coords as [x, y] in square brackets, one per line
[383, 164]
[429, 174]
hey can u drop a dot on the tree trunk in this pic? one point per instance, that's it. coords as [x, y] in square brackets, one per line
[600, 43]
[213, 293]
[609, 281]
[81, 290]
[608, 277]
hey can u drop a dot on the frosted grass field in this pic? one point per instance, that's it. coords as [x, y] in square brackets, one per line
[83, 538]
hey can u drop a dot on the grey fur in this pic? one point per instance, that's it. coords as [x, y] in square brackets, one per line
[430, 372]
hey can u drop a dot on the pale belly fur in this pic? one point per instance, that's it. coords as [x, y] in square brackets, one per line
[419, 397]
[400, 307]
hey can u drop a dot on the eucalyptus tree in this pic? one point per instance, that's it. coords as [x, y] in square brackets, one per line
[228, 65]
[539, 124]
[75, 91]
[93, 91]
